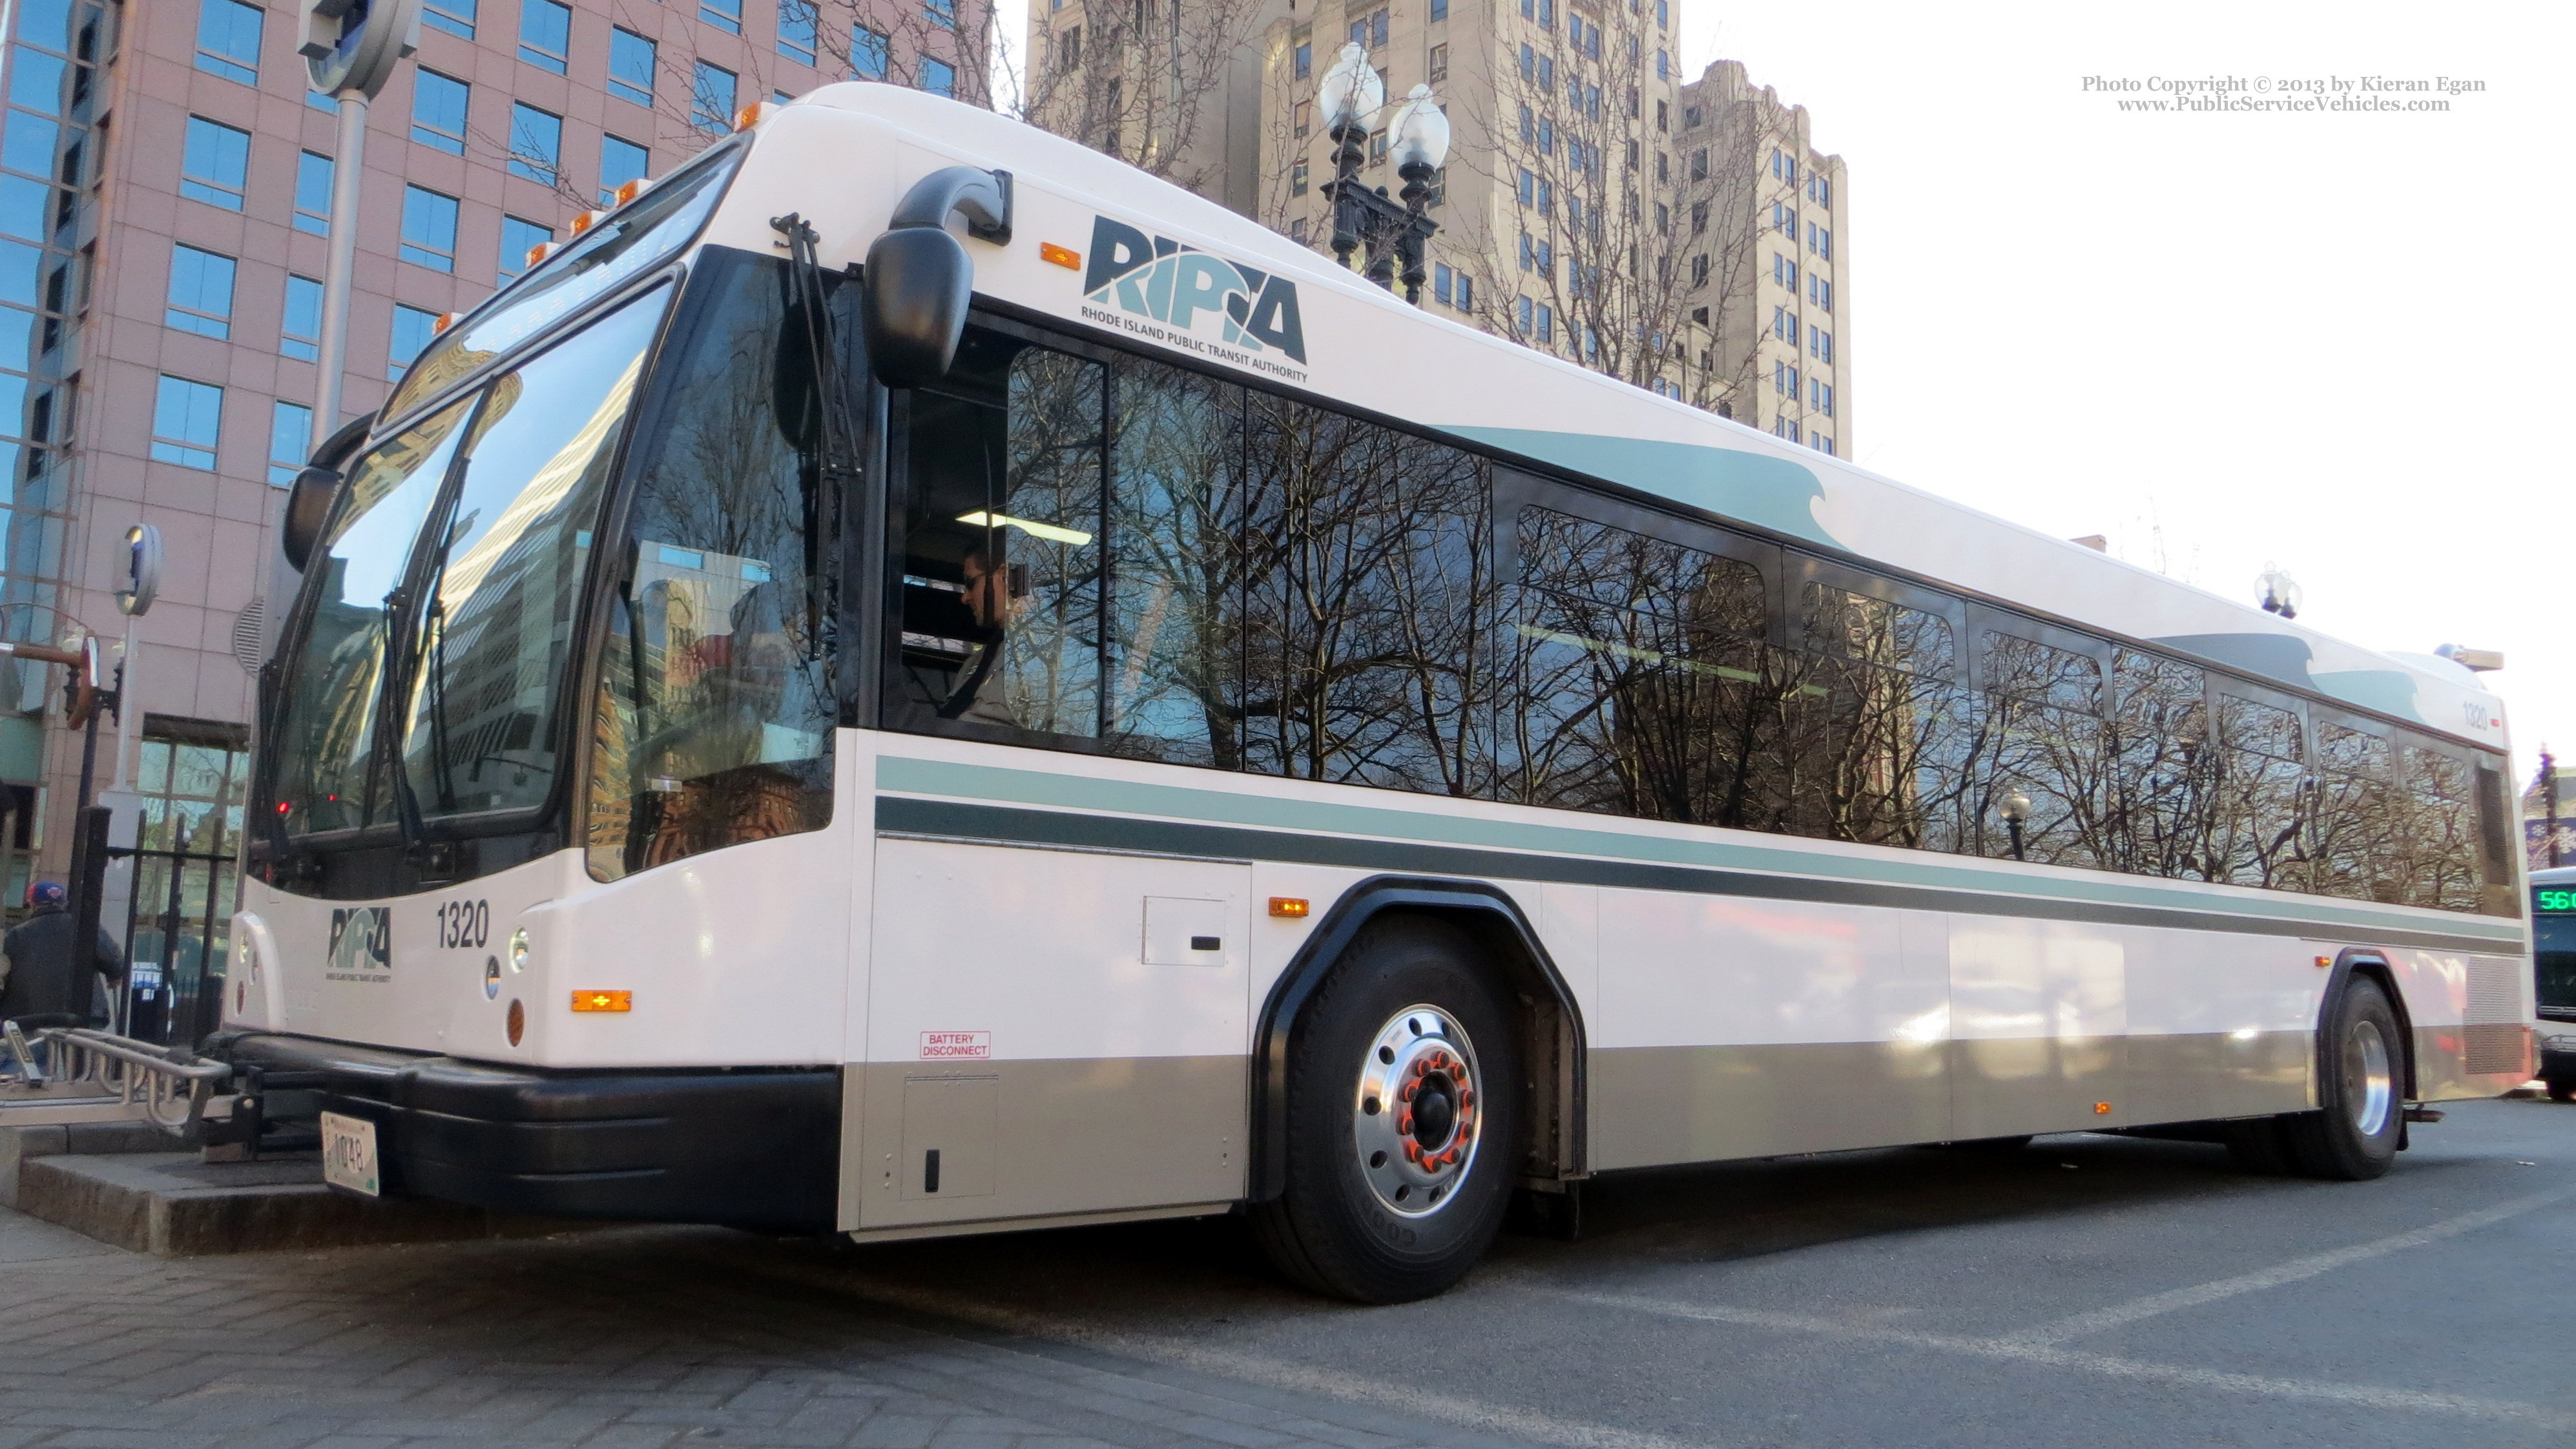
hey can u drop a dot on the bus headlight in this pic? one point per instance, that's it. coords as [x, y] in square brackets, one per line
[519, 949]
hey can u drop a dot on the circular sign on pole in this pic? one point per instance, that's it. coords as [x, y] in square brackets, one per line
[353, 45]
[142, 570]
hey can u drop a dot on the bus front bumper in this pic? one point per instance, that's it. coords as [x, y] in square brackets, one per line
[751, 1147]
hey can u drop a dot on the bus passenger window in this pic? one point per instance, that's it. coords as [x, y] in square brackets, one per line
[2261, 820]
[2045, 740]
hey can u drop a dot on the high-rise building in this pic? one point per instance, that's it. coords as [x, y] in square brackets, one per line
[165, 186]
[1760, 240]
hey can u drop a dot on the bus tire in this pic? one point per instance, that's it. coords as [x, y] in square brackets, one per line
[2361, 1085]
[1403, 1120]
[2562, 1089]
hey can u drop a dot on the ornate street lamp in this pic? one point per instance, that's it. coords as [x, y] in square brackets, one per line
[1351, 95]
[2015, 809]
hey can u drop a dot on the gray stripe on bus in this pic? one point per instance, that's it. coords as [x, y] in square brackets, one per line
[1013, 825]
[2321, 917]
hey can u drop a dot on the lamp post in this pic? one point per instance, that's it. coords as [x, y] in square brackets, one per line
[2015, 809]
[350, 51]
[1352, 94]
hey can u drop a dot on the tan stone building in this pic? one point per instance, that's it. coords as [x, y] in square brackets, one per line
[165, 183]
[1759, 237]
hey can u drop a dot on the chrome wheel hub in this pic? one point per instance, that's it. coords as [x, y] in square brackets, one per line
[2369, 1084]
[1416, 1114]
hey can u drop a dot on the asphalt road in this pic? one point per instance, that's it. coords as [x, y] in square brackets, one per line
[2087, 1291]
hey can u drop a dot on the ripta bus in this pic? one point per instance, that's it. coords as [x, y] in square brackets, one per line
[911, 679]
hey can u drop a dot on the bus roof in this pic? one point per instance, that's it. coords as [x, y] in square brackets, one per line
[1089, 235]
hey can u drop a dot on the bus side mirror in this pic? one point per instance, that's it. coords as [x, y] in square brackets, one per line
[308, 504]
[912, 305]
[912, 308]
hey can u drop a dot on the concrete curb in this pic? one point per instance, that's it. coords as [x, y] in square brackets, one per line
[171, 1205]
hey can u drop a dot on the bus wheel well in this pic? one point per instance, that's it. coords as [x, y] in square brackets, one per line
[1550, 1022]
[2375, 967]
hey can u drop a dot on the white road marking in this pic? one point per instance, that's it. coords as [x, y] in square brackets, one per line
[2121, 1314]
[1251, 1368]
[2012, 1350]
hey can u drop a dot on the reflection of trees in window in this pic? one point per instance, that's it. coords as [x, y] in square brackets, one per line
[2164, 773]
[1645, 688]
[2356, 816]
[2258, 830]
[1175, 570]
[2437, 853]
[1369, 605]
[1891, 765]
[1052, 647]
[2046, 740]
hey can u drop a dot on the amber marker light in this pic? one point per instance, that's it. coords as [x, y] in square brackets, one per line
[630, 190]
[2101, 1109]
[603, 1001]
[445, 321]
[1288, 908]
[540, 252]
[584, 222]
[2324, 961]
[1061, 256]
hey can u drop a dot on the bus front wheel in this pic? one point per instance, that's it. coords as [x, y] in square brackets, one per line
[1403, 1121]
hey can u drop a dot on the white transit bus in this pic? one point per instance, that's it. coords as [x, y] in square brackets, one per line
[911, 679]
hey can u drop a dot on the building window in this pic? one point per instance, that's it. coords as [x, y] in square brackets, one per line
[313, 193]
[1304, 116]
[545, 34]
[1304, 52]
[518, 238]
[1439, 9]
[1824, 445]
[1663, 168]
[1699, 217]
[187, 419]
[938, 77]
[1440, 283]
[290, 440]
[711, 104]
[1297, 231]
[1068, 52]
[1821, 394]
[299, 333]
[1663, 65]
[1440, 60]
[620, 161]
[871, 53]
[413, 329]
[942, 13]
[1663, 14]
[438, 105]
[1546, 325]
[1820, 240]
[797, 28]
[1821, 292]
[228, 40]
[456, 17]
[1699, 270]
[1820, 344]
[1699, 165]
[1466, 293]
[212, 167]
[1297, 179]
[1371, 31]
[724, 15]
[429, 229]
[201, 293]
[536, 144]
[630, 67]
[1663, 219]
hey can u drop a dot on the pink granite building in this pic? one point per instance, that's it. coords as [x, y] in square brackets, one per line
[165, 181]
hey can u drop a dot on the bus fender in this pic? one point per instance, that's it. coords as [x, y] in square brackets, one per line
[2372, 962]
[1554, 1048]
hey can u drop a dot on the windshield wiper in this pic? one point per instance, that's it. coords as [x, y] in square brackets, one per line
[837, 440]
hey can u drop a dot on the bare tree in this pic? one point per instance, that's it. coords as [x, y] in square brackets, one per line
[1145, 81]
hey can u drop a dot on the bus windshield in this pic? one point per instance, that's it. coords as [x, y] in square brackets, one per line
[629, 242]
[447, 592]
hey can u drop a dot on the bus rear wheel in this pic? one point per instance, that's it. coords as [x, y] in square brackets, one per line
[2361, 1083]
[1403, 1120]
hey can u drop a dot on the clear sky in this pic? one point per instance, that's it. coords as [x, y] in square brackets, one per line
[2332, 341]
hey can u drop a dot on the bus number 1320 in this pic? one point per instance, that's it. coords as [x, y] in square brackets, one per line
[464, 924]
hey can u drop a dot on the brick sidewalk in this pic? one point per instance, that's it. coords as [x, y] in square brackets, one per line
[625, 1339]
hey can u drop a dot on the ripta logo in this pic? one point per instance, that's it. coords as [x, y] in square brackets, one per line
[1182, 287]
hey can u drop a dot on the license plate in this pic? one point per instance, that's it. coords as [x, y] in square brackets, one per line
[349, 1154]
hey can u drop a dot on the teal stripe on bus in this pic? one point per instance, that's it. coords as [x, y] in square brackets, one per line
[1488, 835]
